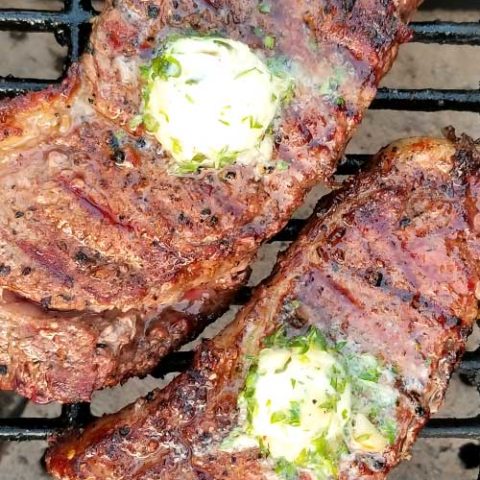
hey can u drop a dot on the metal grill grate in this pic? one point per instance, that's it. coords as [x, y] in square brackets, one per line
[71, 28]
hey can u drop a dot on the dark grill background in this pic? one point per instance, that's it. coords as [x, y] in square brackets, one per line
[71, 29]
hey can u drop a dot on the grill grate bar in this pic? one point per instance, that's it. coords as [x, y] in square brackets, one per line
[24, 429]
[467, 33]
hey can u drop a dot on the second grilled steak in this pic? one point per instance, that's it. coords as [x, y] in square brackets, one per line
[365, 317]
[104, 232]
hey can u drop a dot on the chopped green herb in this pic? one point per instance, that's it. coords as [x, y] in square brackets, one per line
[264, 7]
[150, 123]
[362, 438]
[389, 429]
[257, 31]
[189, 98]
[282, 369]
[252, 122]
[166, 66]
[223, 43]
[192, 81]
[285, 469]
[164, 115]
[330, 403]
[247, 72]
[176, 146]
[294, 414]
[224, 122]
[135, 121]
[144, 72]
[315, 337]
[294, 304]
[293, 382]
[278, 417]
[269, 42]
[344, 413]
[282, 165]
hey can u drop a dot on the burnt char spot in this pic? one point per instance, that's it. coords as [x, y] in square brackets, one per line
[153, 11]
[82, 257]
[19, 214]
[101, 345]
[420, 411]
[3, 369]
[150, 396]
[4, 270]
[374, 278]
[118, 156]
[45, 302]
[26, 271]
[405, 222]
[124, 430]
[202, 475]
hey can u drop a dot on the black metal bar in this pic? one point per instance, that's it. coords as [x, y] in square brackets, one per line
[452, 428]
[10, 86]
[22, 429]
[41, 20]
[467, 33]
[427, 100]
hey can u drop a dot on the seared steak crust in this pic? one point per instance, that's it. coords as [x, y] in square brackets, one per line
[93, 224]
[389, 262]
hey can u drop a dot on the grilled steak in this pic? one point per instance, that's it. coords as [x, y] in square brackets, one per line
[381, 288]
[112, 250]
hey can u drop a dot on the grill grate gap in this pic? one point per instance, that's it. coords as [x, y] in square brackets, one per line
[71, 27]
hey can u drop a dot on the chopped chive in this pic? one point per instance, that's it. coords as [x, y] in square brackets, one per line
[363, 437]
[264, 7]
[223, 43]
[246, 72]
[176, 146]
[224, 122]
[269, 42]
[284, 367]
[150, 123]
[166, 66]
[282, 165]
[252, 122]
[189, 98]
[135, 121]
[278, 417]
[164, 114]
[192, 81]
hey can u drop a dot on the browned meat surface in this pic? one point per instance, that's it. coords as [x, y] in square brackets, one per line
[388, 263]
[95, 230]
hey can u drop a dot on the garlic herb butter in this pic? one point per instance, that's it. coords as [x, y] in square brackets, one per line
[307, 403]
[211, 102]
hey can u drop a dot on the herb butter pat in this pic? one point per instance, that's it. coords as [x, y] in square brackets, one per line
[308, 402]
[211, 102]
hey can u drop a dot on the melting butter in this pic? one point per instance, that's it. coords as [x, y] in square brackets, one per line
[211, 102]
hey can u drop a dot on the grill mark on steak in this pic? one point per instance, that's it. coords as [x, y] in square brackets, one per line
[145, 229]
[405, 322]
